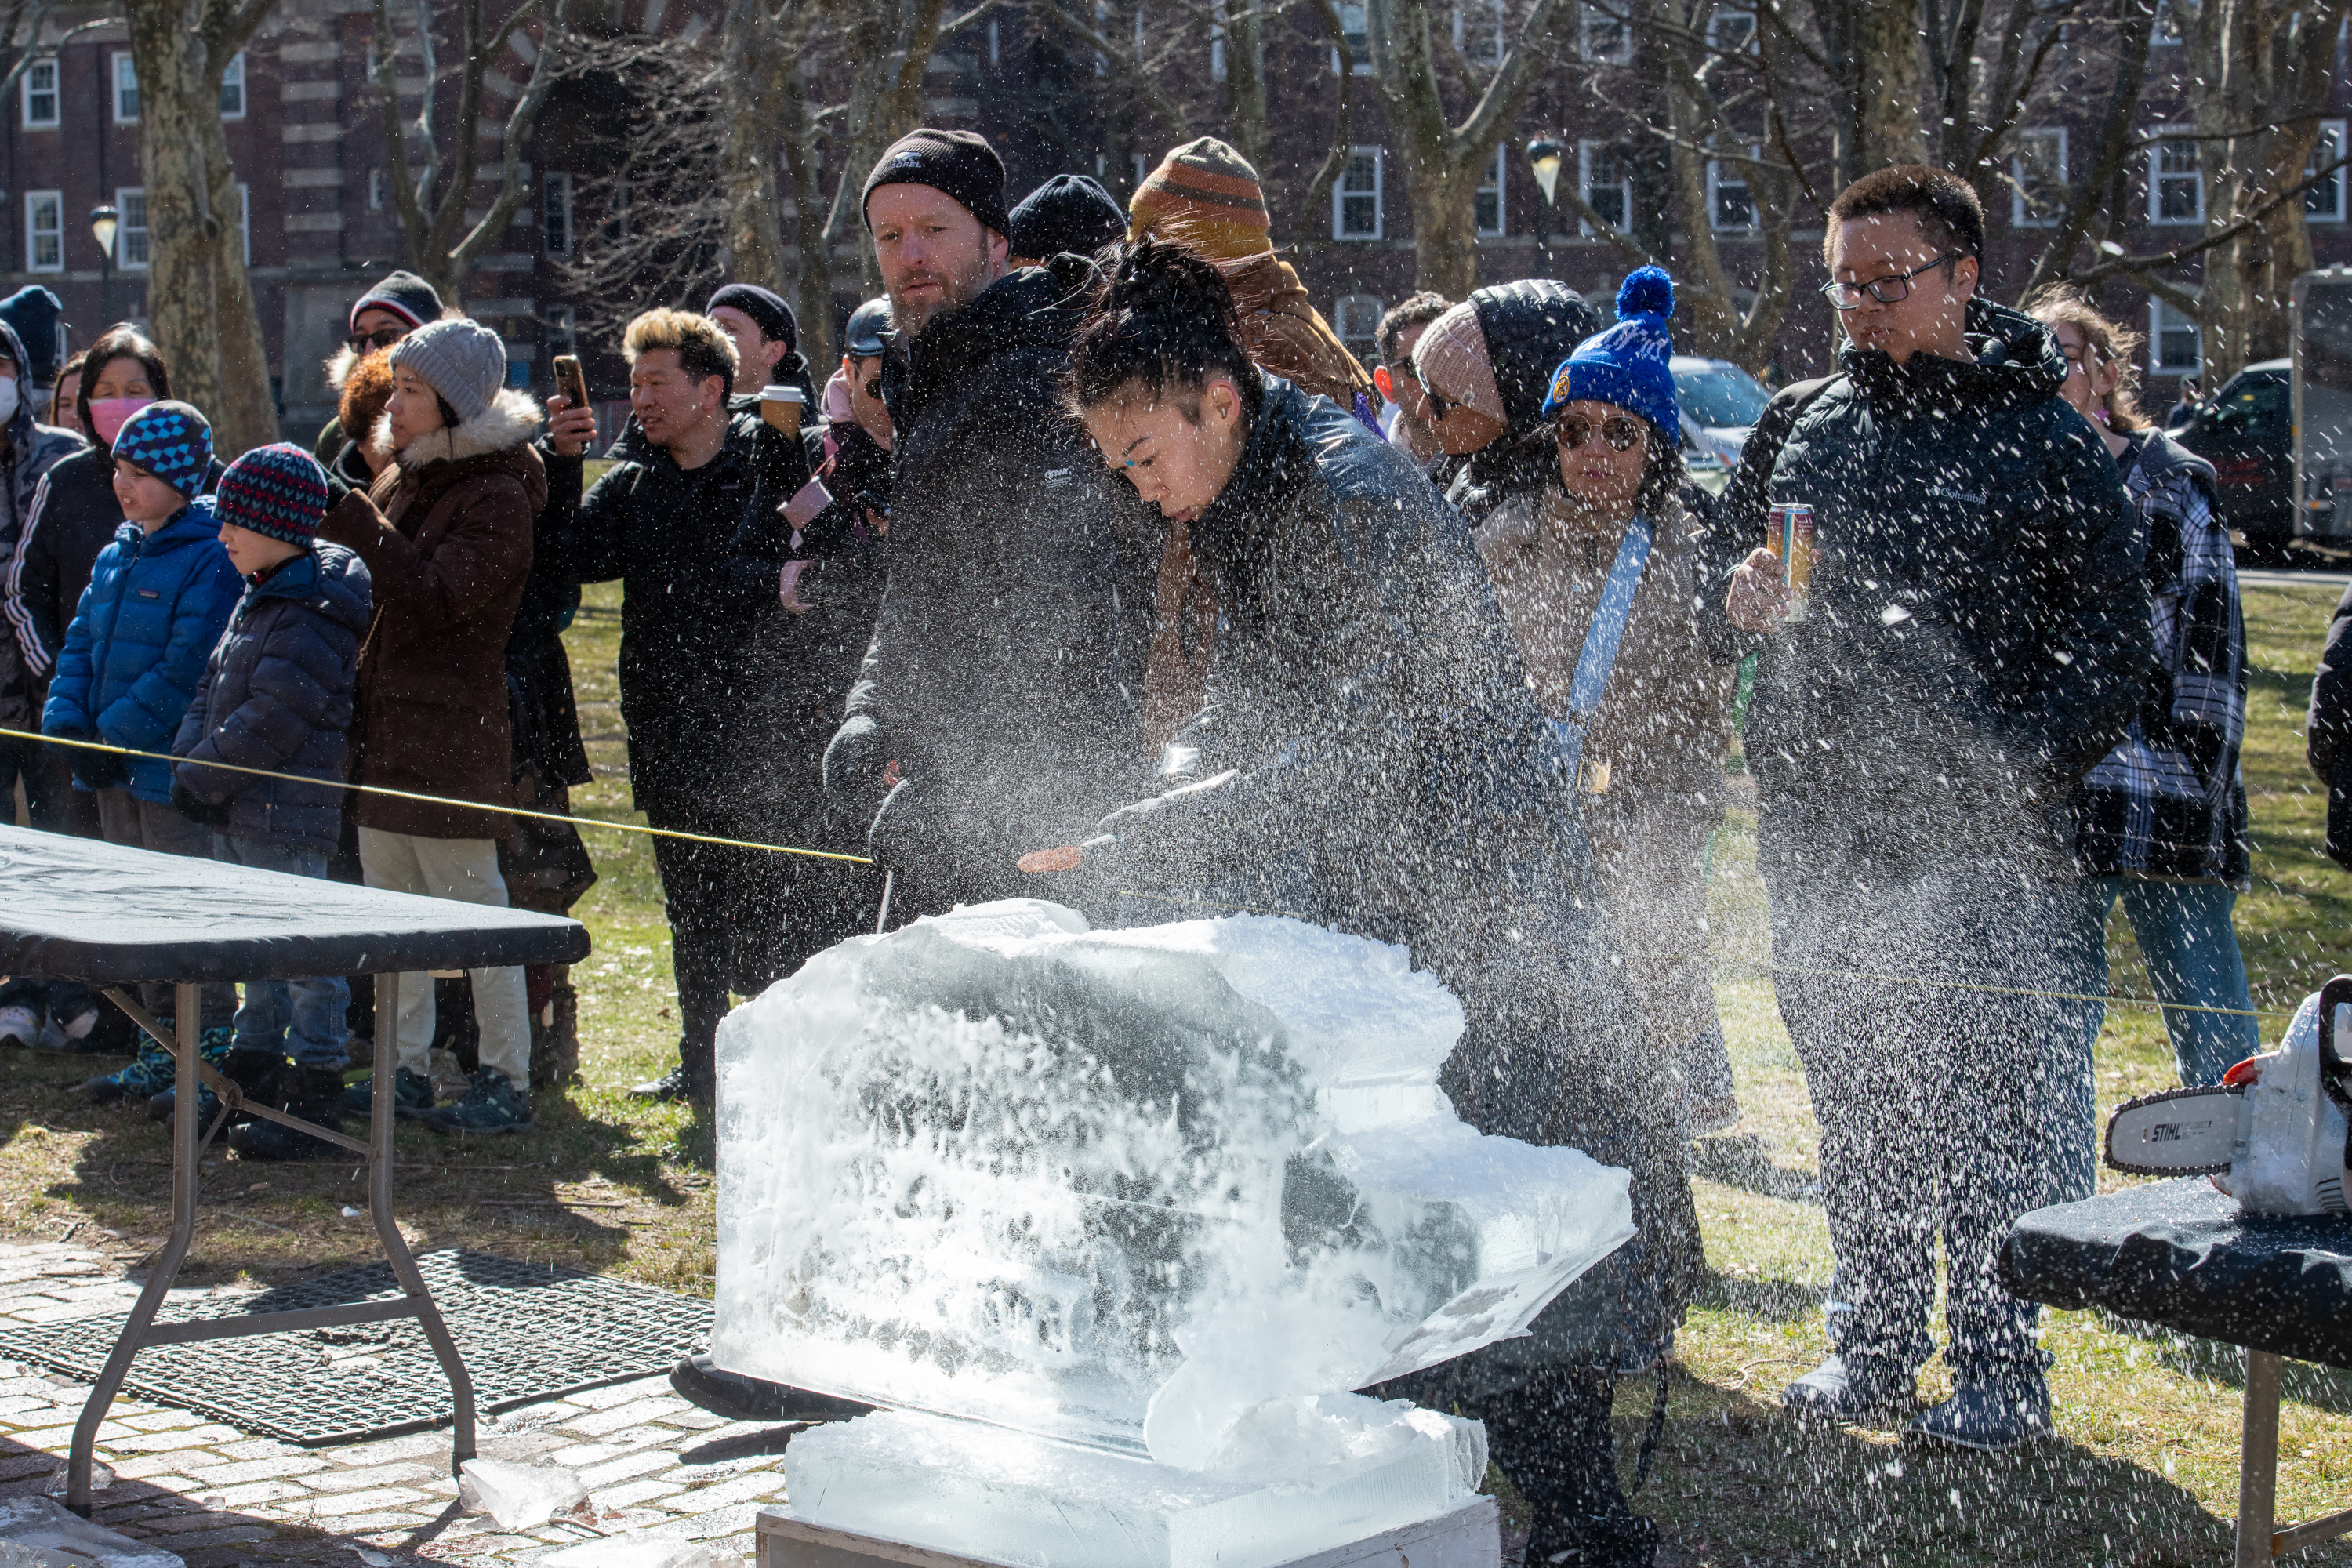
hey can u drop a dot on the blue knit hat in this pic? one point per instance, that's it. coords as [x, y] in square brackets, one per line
[280, 490]
[170, 441]
[1627, 365]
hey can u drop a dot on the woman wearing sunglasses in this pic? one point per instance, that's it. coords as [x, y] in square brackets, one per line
[1594, 571]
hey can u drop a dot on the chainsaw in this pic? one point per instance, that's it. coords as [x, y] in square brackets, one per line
[2271, 1133]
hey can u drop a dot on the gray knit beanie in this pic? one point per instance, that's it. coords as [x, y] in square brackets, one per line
[463, 360]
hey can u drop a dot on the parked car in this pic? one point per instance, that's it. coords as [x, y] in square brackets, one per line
[1720, 403]
[2247, 433]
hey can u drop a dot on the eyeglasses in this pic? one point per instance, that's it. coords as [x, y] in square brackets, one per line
[382, 338]
[1619, 430]
[1891, 289]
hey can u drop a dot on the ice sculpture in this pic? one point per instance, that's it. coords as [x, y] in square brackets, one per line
[1142, 1190]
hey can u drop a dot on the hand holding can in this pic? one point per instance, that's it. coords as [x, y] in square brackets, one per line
[1792, 537]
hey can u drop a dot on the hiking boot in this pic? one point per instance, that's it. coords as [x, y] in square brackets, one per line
[411, 1095]
[255, 1073]
[492, 1105]
[1990, 1417]
[1838, 1390]
[703, 1382]
[314, 1094]
[19, 1025]
[670, 1086]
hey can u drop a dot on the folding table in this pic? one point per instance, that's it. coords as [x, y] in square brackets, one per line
[114, 917]
[2180, 1254]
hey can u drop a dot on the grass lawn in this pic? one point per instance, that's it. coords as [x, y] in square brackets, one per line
[2143, 1472]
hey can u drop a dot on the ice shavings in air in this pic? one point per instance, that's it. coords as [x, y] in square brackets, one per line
[1125, 1187]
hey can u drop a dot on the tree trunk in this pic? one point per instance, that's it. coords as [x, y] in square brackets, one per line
[755, 66]
[1889, 85]
[813, 277]
[1444, 251]
[198, 296]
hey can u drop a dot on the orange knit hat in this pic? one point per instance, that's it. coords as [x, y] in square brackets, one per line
[1206, 195]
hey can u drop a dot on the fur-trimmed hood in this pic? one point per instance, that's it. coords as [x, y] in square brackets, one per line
[510, 421]
[340, 366]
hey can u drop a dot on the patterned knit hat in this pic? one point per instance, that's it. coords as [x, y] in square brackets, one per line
[280, 490]
[170, 441]
[1206, 195]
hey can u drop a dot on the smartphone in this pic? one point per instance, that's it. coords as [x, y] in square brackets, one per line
[570, 382]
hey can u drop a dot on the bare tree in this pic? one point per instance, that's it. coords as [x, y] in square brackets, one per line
[198, 293]
[432, 190]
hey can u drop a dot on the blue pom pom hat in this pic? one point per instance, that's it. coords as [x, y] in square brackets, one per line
[1628, 364]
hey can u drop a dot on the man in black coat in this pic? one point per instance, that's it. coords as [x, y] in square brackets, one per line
[690, 517]
[987, 717]
[1976, 638]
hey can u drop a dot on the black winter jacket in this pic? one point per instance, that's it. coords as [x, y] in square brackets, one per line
[701, 552]
[1978, 633]
[991, 678]
[278, 694]
[30, 450]
[1370, 756]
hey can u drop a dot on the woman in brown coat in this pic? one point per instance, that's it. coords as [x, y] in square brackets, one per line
[445, 533]
[1652, 724]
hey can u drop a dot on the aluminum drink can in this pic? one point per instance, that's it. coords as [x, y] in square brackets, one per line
[1792, 537]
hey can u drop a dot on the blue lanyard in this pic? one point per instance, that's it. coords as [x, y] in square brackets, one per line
[1602, 638]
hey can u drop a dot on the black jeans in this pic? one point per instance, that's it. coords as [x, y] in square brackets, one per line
[726, 911]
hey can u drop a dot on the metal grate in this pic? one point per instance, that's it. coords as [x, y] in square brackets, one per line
[527, 1331]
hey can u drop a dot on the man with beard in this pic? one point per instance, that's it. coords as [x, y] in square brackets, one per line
[988, 717]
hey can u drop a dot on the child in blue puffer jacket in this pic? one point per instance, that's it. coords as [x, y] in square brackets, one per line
[277, 697]
[155, 606]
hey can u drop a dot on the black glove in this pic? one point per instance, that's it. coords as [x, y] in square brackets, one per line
[100, 770]
[196, 810]
[853, 766]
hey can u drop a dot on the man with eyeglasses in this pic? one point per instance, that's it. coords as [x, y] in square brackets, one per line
[386, 313]
[1973, 637]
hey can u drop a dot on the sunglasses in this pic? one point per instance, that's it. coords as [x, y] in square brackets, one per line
[873, 388]
[1619, 430]
[382, 338]
[1438, 406]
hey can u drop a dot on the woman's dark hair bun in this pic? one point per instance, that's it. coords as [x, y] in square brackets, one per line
[1159, 319]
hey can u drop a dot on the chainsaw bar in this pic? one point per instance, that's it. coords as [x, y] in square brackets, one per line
[2180, 1132]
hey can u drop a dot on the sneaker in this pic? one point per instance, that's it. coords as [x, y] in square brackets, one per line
[411, 1095]
[73, 1034]
[493, 1105]
[314, 1094]
[670, 1086]
[1834, 1391]
[154, 1070]
[1990, 1417]
[19, 1026]
[703, 1382]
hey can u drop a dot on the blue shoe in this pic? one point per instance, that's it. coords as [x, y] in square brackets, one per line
[1990, 1417]
[1843, 1389]
[154, 1070]
[411, 1095]
[492, 1105]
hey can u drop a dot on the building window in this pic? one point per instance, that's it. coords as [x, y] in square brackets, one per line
[1607, 40]
[233, 88]
[244, 222]
[2037, 178]
[2176, 344]
[2166, 32]
[1357, 319]
[1493, 216]
[45, 231]
[995, 43]
[1731, 33]
[559, 215]
[1730, 207]
[375, 196]
[126, 89]
[2176, 184]
[1606, 186]
[616, 213]
[1217, 42]
[1141, 163]
[2323, 202]
[562, 331]
[130, 238]
[1356, 199]
[1138, 35]
[41, 95]
[1355, 26]
[1479, 32]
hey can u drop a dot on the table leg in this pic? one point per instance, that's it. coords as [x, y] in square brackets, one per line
[189, 1026]
[395, 1249]
[2258, 1460]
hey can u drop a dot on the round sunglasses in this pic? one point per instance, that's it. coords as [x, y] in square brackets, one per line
[1619, 430]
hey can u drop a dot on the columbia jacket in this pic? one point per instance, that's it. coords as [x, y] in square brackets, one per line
[276, 696]
[1979, 631]
[136, 652]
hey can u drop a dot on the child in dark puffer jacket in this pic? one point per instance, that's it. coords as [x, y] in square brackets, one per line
[278, 696]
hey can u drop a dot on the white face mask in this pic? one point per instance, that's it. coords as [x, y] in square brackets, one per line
[8, 399]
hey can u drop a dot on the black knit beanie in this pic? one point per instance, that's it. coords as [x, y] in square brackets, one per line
[1068, 212]
[959, 163]
[1529, 327]
[766, 308]
[405, 295]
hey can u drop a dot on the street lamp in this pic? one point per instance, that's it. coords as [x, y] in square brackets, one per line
[103, 223]
[1544, 156]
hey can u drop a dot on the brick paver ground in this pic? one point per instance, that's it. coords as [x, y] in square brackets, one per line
[217, 1496]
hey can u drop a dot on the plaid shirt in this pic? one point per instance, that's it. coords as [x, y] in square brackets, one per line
[2168, 803]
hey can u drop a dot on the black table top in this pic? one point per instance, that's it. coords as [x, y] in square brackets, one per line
[80, 908]
[2179, 1253]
